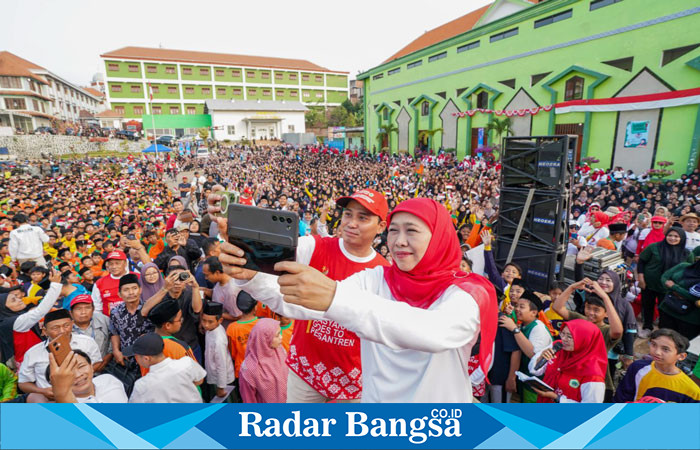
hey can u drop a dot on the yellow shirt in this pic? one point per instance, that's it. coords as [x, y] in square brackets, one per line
[49, 250]
[70, 244]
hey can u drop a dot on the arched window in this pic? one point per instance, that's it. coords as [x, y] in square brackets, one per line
[574, 89]
[425, 108]
[482, 100]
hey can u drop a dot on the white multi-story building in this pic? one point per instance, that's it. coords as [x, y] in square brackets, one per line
[31, 95]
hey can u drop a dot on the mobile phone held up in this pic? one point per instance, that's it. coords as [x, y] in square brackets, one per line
[60, 347]
[266, 236]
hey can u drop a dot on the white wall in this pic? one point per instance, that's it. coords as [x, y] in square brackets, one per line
[235, 118]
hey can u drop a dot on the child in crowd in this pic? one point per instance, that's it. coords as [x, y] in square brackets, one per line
[287, 327]
[217, 359]
[167, 318]
[263, 374]
[531, 335]
[659, 376]
[555, 290]
[598, 307]
[239, 331]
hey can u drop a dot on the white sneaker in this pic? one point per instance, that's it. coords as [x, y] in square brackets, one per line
[644, 333]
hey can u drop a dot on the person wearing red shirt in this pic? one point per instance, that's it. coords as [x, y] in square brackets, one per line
[105, 292]
[324, 358]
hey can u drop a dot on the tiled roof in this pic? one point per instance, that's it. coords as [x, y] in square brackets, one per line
[28, 93]
[37, 114]
[186, 56]
[439, 34]
[14, 66]
[85, 114]
[93, 91]
[108, 113]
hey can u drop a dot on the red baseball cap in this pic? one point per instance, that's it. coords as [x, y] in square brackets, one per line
[116, 254]
[370, 199]
[82, 298]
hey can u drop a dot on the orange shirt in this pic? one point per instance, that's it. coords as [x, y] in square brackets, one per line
[607, 244]
[287, 335]
[173, 349]
[156, 249]
[263, 312]
[238, 333]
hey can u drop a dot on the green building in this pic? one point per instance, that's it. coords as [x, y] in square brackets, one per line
[182, 81]
[621, 74]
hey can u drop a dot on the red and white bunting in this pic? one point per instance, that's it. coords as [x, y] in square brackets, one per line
[632, 103]
[504, 112]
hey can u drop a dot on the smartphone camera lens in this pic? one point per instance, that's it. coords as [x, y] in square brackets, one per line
[289, 221]
[274, 218]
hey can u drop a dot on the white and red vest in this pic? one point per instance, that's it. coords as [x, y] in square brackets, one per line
[321, 352]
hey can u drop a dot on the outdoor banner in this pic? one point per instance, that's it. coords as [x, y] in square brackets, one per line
[637, 134]
[349, 426]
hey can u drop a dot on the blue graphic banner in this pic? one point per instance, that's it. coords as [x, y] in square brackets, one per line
[344, 426]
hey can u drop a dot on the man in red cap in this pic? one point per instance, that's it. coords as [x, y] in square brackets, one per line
[247, 197]
[105, 293]
[323, 358]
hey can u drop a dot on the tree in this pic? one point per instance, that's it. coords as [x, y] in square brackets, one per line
[315, 118]
[500, 127]
[385, 131]
[203, 133]
[338, 117]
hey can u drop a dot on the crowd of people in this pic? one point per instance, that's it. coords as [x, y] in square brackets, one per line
[119, 285]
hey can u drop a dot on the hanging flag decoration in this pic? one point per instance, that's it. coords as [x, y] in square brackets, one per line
[504, 112]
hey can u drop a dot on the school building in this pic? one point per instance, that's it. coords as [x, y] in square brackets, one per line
[623, 75]
[181, 82]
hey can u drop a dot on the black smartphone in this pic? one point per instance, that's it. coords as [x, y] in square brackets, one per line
[266, 236]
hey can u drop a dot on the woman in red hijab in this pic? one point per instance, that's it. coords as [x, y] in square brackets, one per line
[655, 234]
[418, 319]
[263, 374]
[577, 371]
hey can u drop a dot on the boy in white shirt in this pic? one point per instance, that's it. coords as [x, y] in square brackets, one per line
[168, 380]
[217, 358]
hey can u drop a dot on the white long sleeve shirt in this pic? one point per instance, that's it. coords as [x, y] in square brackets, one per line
[217, 358]
[27, 242]
[408, 354]
[27, 320]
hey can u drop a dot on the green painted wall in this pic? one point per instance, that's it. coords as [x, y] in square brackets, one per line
[287, 77]
[253, 76]
[199, 91]
[229, 74]
[165, 108]
[129, 109]
[195, 75]
[228, 92]
[123, 69]
[311, 81]
[259, 93]
[178, 121]
[644, 44]
[336, 96]
[312, 96]
[336, 81]
[163, 91]
[199, 108]
[126, 90]
[160, 73]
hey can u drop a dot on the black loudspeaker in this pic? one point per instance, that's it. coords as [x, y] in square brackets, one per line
[540, 265]
[545, 221]
[539, 162]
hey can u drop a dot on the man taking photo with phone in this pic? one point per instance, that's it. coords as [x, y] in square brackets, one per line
[324, 358]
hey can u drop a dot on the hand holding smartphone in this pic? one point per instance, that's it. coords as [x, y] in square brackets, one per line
[60, 347]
